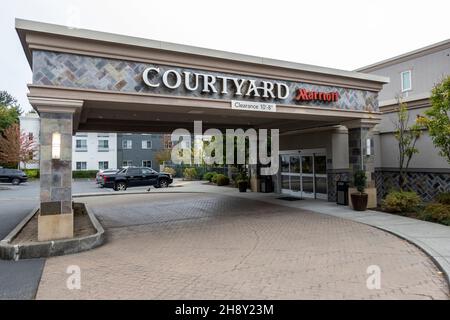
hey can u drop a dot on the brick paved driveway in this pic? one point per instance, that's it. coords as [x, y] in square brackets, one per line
[210, 246]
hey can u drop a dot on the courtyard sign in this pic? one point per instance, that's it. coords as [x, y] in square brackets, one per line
[208, 83]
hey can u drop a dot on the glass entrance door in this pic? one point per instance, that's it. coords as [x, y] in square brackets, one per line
[304, 175]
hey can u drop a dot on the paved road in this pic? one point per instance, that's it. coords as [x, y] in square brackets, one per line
[216, 246]
[18, 280]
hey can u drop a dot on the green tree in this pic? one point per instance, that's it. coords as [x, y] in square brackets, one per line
[438, 118]
[407, 136]
[9, 110]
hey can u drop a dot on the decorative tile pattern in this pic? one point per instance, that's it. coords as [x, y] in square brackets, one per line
[427, 184]
[333, 177]
[77, 71]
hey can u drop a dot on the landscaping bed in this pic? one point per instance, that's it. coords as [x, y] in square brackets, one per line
[22, 242]
[81, 222]
[409, 204]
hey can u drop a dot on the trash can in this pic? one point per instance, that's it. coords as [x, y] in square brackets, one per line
[342, 193]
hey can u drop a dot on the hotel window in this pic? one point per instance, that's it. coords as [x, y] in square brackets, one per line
[127, 163]
[103, 145]
[167, 144]
[81, 145]
[146, 144]
[103, 165]
[406, 80]
[127, 144]
[147, 163]
[81, 165]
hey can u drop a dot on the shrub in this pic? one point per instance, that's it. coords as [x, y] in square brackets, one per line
[209, 175]
[190, 173]
[401, 201]
[359, 180]
[32, 173]
[443, 198]
[222, 180]
[436, 212]
[214, 177]
[84, 174]
[241, 177]
[170, 170]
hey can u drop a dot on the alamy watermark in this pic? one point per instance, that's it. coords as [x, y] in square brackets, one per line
[241, 147]
[73, 282]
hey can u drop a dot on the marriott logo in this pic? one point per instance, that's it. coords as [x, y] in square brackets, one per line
[306, 95]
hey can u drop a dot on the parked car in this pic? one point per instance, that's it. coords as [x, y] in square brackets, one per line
[13, 176]
[101, 173]
[136, 176]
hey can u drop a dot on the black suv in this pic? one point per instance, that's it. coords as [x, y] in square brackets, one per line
[136, 176]
[13, 176]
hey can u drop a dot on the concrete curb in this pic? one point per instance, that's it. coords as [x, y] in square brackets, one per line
[438, 260]
[104, 194]
[50, 248]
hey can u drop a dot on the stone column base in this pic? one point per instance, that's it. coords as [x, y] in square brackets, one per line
[55, 226]
[372, 197]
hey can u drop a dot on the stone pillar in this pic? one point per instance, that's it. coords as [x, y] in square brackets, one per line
[360, 158]
[55, 220]
[338, 167]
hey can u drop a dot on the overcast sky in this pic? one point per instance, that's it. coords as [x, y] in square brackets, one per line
[342, 34]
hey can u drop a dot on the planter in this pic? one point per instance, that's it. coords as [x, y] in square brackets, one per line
[359, 201]
[243, 186]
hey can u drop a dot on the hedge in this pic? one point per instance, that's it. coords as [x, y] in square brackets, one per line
[31, 173]
[83, 174]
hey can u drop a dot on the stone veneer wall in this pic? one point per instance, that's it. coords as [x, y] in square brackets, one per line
[56, 174]
[334, 176]
[426, 184]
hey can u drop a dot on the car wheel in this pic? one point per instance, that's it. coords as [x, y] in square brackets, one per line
[120, 186]
[15, 181]
[163, 183]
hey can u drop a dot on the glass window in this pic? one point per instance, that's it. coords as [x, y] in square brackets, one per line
[127, 144]
[321, 185]
[295, 183]
[295, 164]
[30, 136]
[126, 163]
[134, 171]
[147, 163]
[103, 165]
[307, 164]
[406, 80]
[146, 171]
[307, 184]
[320, 164]
[81, 144]
[284, 181]
[284, 163]
[103, 144]
[146, 144]
[81, 165]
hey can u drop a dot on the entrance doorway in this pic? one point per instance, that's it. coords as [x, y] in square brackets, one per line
[304, 174]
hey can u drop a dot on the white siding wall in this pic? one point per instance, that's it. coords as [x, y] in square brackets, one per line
[30, 123]
[92, 155]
